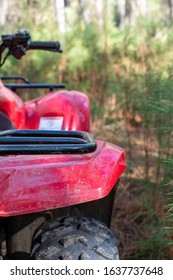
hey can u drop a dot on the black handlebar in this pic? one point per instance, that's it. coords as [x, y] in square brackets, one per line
[21, 42]
[46, 46]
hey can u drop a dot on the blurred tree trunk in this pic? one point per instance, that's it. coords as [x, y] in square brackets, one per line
[83, 12]
[60, 14]
[127, 11]
[4, 7]
[168, 7]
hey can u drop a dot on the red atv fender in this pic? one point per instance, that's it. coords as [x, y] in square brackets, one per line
[62, 110]
[70, 108]
[12, 106]
[32, 183]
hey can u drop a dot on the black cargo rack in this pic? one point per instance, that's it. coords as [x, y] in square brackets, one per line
[51, 87]
[13, 142]
[22, 78]
[28, 85]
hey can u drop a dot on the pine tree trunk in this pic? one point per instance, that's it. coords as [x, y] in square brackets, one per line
[60, 14]
[127, 11]
[4, 7]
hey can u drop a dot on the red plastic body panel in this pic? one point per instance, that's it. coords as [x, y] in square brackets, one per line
[73, 106]
[12, 106]
[32, 183]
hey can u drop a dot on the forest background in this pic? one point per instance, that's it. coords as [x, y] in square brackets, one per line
[120, 53]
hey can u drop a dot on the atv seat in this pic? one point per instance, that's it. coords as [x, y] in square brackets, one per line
[5, 122]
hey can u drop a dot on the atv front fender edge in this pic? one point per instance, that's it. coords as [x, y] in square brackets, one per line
[32, 183]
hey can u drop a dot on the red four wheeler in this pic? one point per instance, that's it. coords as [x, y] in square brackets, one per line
[57, 183]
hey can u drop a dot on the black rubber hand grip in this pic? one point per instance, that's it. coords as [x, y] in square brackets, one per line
[41, 45]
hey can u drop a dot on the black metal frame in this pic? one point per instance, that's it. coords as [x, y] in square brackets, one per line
[36, 86]
[46, 142]
[27, 84]
[22, 78]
